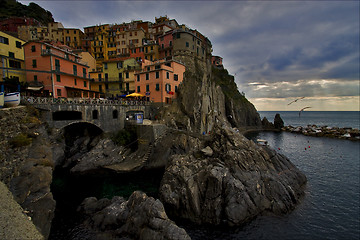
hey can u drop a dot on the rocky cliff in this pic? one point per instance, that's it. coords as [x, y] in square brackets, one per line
[26, 164]
[208, 96]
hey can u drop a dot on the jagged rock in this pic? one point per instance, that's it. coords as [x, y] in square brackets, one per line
[240, 181]
[278, 122]
[266, 124]
[207, 151]
[141, 217]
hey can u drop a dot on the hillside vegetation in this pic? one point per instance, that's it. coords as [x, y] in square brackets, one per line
[11, 8]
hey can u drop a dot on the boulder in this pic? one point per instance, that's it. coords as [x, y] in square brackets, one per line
[140, 217]
[238, 182]
[266, 124]
[278, 122]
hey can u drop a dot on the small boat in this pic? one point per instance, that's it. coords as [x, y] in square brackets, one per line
[12, 99]
[262, 141]
[1, 99]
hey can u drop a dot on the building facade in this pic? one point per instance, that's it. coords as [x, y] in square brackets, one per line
[159, 81]
[11, 58]
[60, 71]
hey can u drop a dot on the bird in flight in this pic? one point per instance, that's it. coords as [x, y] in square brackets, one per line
[303, 110]
[296, 100]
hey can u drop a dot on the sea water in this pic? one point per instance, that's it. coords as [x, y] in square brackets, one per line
[330, 208]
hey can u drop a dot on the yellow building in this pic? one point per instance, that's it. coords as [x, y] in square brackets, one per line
[72, 37]
[151, 51]
[99, 44]
[11, 58]
[97, 82]
[119, 76]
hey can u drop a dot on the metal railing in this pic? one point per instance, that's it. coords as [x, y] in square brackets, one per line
[80, 101]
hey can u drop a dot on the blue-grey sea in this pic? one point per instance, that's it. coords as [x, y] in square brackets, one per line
[330, 208]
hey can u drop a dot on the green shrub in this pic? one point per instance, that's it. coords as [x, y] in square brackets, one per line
[20, 140]
[126, 137]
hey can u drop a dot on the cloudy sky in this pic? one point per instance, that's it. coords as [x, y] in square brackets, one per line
[277, 50]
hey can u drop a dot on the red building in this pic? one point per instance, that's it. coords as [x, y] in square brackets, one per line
[58, 70]
[11, 24]
[165, 45]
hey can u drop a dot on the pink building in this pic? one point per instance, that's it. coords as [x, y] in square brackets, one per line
[159, 81]
[216, 61]
[59, 71]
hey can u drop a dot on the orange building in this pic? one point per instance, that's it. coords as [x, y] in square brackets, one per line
[160, 80]
[58, 70]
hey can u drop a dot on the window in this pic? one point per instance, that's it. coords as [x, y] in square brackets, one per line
[33, 49]
[100, 88]
[106, 86]
[106, 77]
[105, 66]
[187, 44]
[18, 44]
[176, 77]
[34, 63]
[58, 91]
[147, 88]
[58, 78]
[170, 43]
[119, 65]
[167, 87]
[120, 86]
[14, 64]
[35, 78]
[147, 76]
[176, 88]
[84, 72]
[75, 70]
[115, 114]
[127, 74]
[148, 68]
[4, 40]
[167, 75]
[157, 66]
[85, 84]
[157, 75]
[138, 88]
[95, 114]
[162, 46]
[57, 65]
[99, 76]
[120, 76]
[127, 86]
[157, 88]
[75, 83]
[138, 78]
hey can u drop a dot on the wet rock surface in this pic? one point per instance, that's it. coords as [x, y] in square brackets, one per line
[140, 217]
[325, 131]
[237, 182]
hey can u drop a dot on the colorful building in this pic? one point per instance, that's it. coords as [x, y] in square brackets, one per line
[159, 81]
[59, 70]
[165, 42]
[11, 24]
[151, 50]
[72, 37]
[216, 61]
[11, 58]
[119, 76]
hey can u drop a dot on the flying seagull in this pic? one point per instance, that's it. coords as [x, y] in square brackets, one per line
[296, 100]
[303, 110]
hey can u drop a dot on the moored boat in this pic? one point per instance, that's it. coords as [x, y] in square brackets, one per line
[1, 99]
[12, 99]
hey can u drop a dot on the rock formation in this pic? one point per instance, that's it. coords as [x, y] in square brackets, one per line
[26, 164]
[229, 180]
[140, 217]
[278, 122]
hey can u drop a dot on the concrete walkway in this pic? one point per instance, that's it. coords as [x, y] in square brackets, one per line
[14, 224]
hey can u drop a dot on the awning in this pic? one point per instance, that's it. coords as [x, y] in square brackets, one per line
[135, 95]
[35, 88]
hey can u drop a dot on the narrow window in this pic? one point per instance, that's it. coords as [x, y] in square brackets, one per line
[18, 44]
[33, 48]
[138, 88]
[95, 114]
[167, 75]
[115, 114]
[176, 77]
[147, 76]
[147, 88]
[187, 44]
[75, 70]
[127, 74]
[58, 91]
[34, 63]
[138, 78]
[75, 82]
[58, 78]
[157, 75]
[35, 78]
[85, 84]
[157, 88]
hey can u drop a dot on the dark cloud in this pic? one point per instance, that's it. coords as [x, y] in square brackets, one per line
[284, 48]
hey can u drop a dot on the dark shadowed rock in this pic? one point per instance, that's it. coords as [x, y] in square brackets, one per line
[141, 217]
[266, 124]
[278, 122]
[240, 181]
